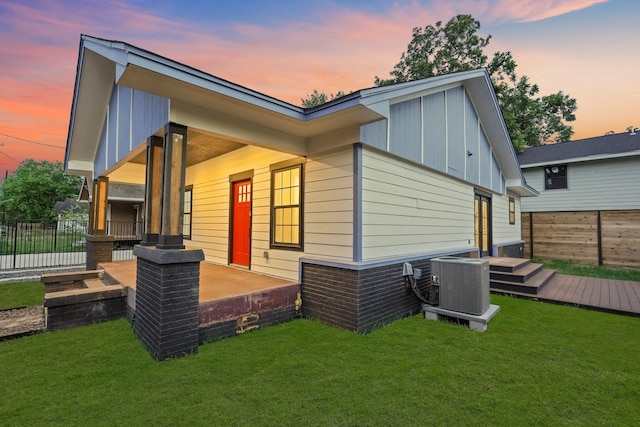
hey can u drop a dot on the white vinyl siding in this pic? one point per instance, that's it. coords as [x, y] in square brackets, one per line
[597, 185]
[328, 208]
[409, 209]
[211, 205]
[329, 205]
[503, 232]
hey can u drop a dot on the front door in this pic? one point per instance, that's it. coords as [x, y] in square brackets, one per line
[482, 221]
[241, 223]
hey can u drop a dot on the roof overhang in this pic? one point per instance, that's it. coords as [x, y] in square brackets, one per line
[596, 157]
[103, 63]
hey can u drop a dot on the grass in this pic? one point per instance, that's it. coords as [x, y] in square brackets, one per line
[23, 294]
[604, 272]
[537, 364]
[38, 243]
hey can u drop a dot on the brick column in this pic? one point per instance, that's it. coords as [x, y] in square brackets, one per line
[99, 249]
[167, 289]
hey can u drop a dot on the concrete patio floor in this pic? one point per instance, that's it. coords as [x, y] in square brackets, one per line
[216, 281]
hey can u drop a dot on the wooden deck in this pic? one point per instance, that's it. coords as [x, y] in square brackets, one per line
[615, 296]
[511, 276]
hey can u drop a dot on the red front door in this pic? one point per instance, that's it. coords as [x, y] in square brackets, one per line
[241, 233]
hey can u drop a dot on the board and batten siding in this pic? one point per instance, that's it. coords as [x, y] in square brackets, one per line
[440, 130]
[611, 184]
[408, 209]
[328, 208]
[132, 116]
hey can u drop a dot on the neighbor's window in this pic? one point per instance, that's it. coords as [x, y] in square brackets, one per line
[512, 210]
[186, 213]
[555, 177]
[286, 207]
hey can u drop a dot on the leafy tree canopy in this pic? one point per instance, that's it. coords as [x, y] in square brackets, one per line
[439, 49]
[455, 46]
[33, 190]
[318, 98]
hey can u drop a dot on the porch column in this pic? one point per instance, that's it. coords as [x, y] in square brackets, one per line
[153, 191]
[175, 164]
[99, 243]
[168, 275]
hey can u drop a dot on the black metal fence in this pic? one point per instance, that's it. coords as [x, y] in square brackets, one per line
[28, 244]
[127, 234]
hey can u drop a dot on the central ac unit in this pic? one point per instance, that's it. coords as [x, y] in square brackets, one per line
[463, 282]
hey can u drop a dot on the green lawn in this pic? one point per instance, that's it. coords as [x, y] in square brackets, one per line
[604, 272]
[24, 294]
[537, 364]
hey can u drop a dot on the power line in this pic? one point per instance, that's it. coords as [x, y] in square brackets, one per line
[12, 158]
[32, 142]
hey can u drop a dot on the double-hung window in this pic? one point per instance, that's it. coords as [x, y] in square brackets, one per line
[286, 205]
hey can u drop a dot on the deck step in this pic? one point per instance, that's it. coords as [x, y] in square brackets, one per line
[521, 275]
[532, 286]
[508, 265]
[518, 276]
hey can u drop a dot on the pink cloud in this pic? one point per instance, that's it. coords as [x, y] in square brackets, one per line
[535, 10]
[333, 49]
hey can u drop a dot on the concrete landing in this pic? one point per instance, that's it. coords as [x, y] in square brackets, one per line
[476, 323]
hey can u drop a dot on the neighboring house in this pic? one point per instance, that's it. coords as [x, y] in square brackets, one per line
[72, 215]
[336, 197]
[69, 206]
[588, 209]
[124, 208]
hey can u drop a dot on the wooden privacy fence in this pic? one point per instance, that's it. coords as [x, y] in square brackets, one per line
[588, 237]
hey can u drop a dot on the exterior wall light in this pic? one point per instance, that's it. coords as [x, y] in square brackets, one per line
[175, 160]
[99, 205]
[153, 191]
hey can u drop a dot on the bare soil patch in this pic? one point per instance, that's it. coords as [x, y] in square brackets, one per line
[21, 321]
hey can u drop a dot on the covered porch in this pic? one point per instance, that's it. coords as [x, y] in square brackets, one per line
[231, 300]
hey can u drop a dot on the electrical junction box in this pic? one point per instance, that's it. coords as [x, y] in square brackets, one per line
[464, 283]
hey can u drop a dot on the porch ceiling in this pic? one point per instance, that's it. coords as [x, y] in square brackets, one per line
[201, 146]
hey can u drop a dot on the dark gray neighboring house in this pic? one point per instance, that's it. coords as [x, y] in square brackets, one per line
[588, 210]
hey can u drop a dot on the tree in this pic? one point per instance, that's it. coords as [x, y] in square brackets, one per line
[34, 188]
[441, 49]
[318, 98]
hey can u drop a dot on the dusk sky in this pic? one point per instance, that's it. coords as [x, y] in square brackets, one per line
[589, 49]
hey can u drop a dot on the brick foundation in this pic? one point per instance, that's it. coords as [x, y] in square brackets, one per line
[360, 298]
[237, 315]
[99, 249]
[166, 315]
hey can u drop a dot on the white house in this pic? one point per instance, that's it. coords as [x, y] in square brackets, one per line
[336, 197]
